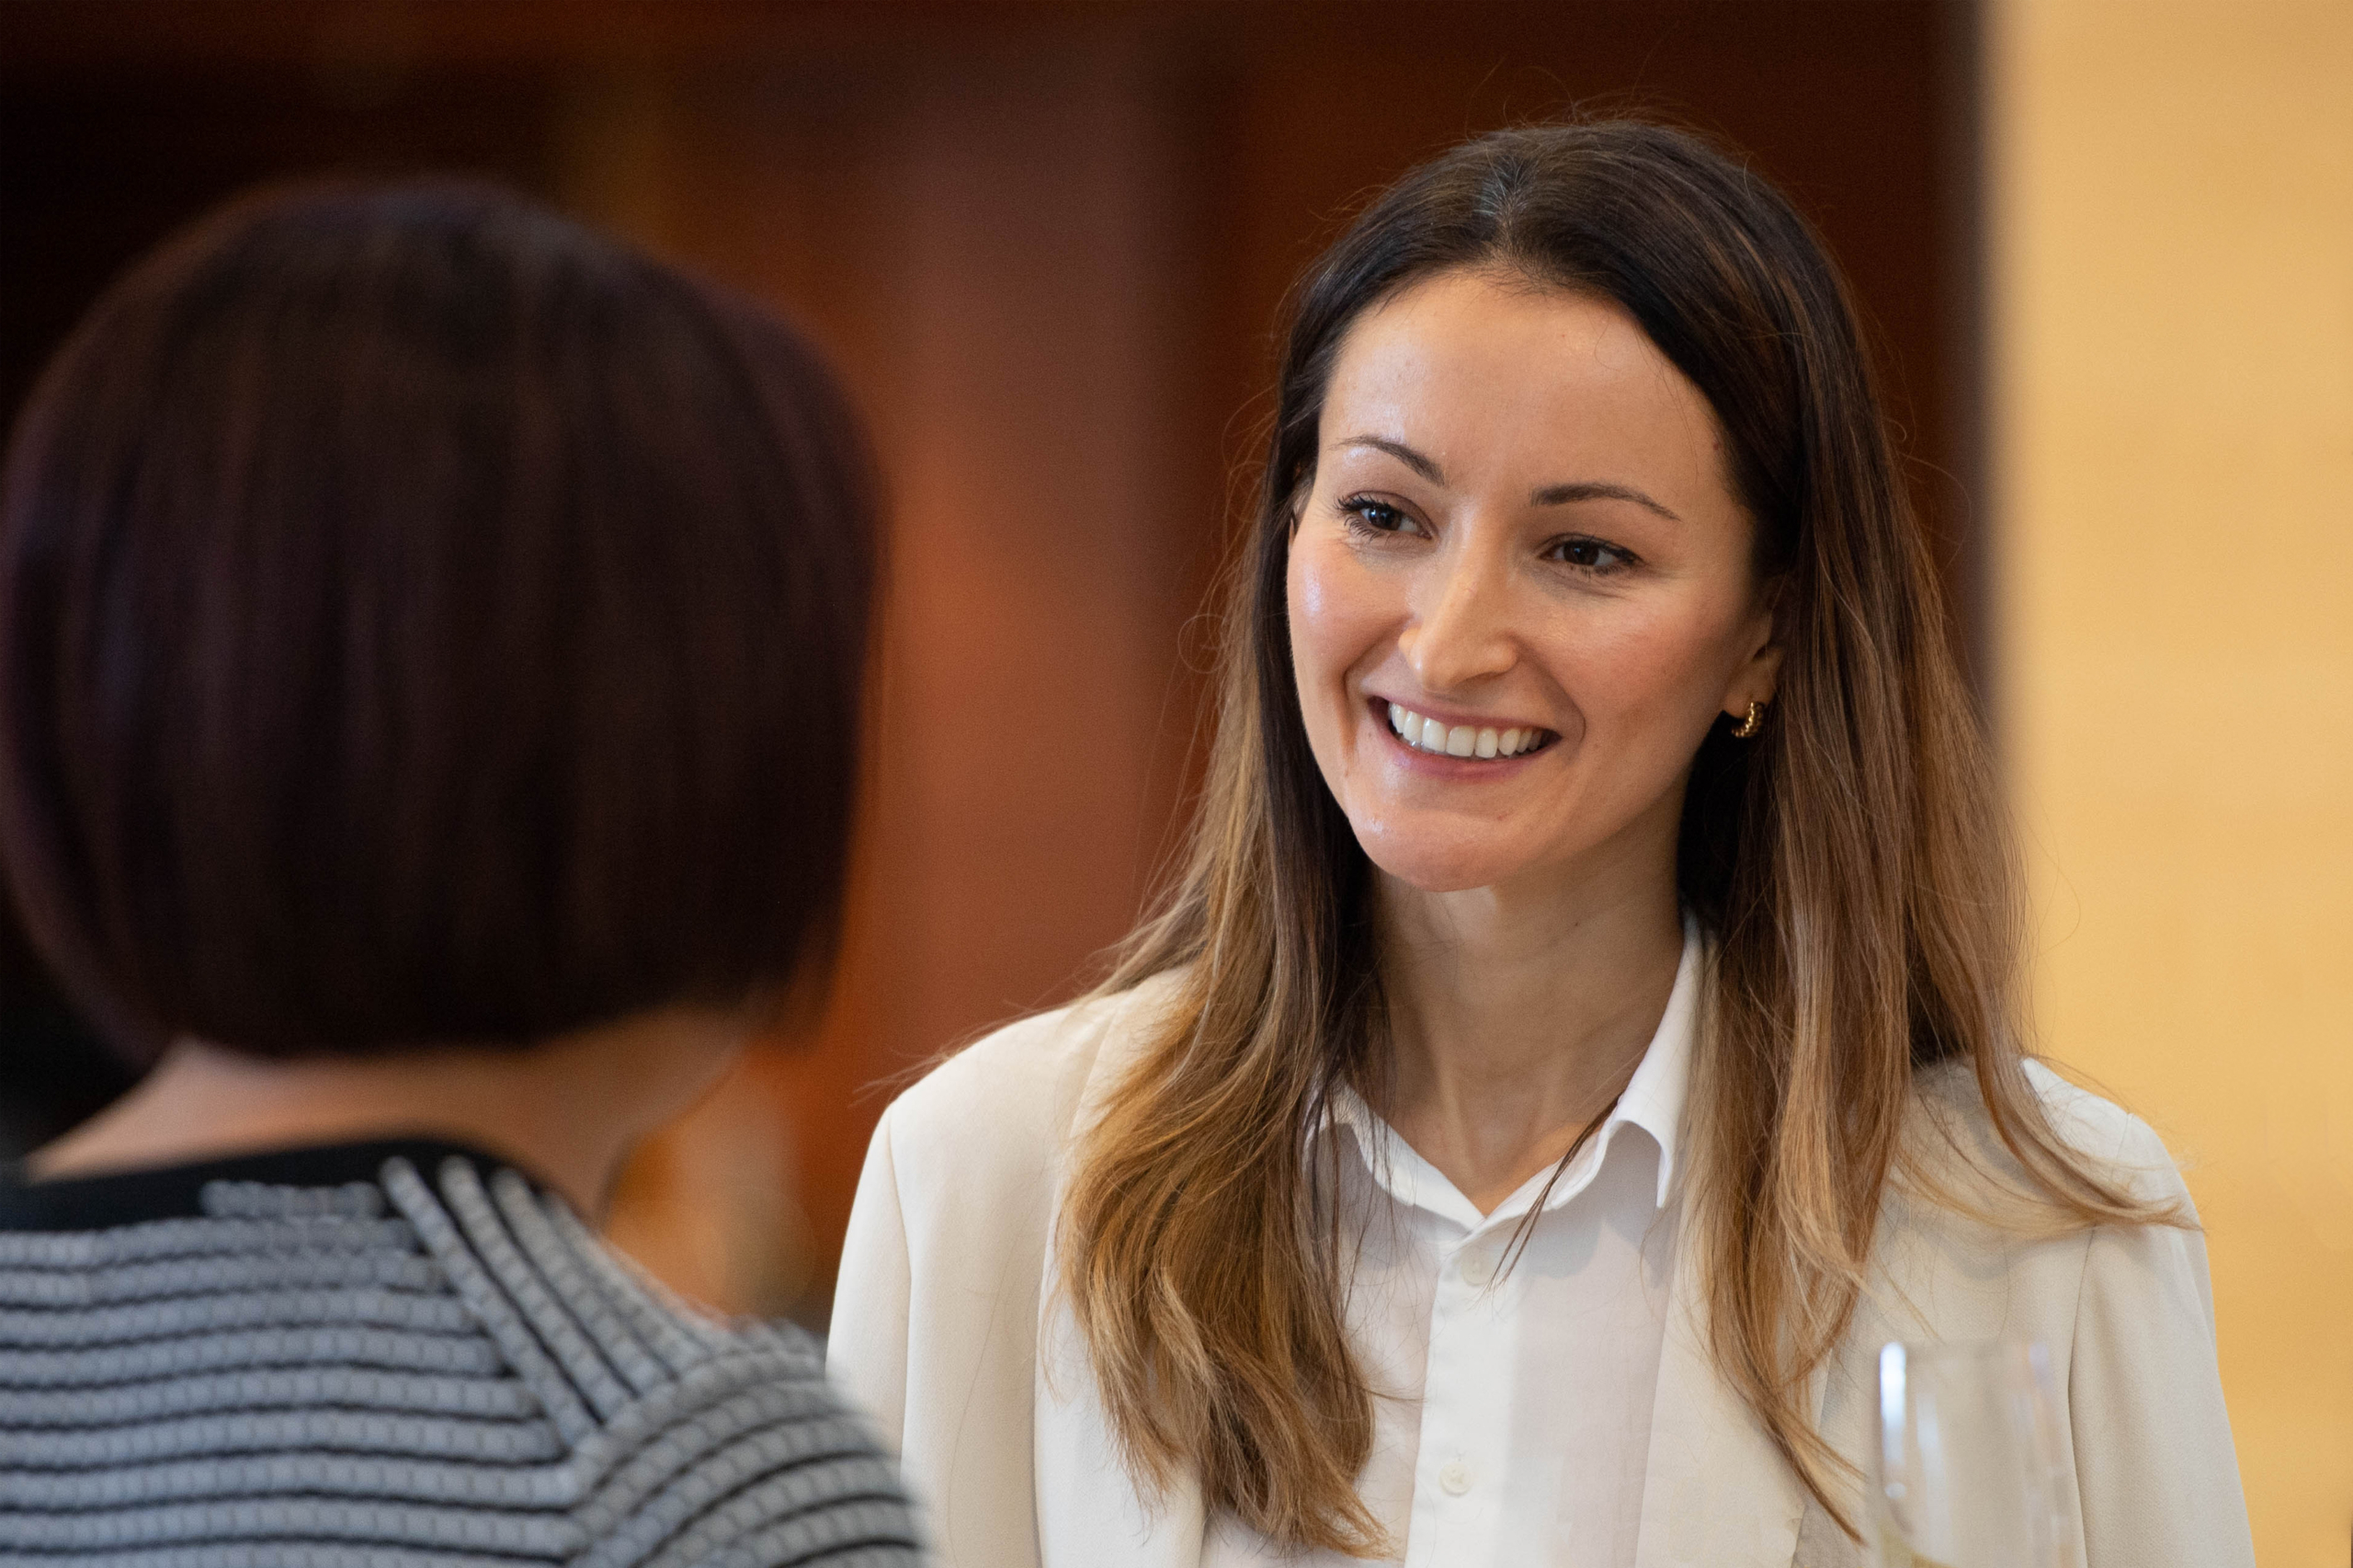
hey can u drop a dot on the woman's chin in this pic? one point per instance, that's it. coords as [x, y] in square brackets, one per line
[1437, 868]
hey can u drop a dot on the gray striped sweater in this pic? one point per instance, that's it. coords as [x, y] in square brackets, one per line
[325, 1358]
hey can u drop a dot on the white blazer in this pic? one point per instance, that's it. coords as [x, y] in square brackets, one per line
[947, 1328]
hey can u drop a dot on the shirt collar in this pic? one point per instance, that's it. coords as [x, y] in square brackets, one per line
[1655, 1096]
[1654, 1100]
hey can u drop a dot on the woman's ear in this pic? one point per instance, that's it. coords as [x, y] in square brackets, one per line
[1758, 677]
[1759, 680]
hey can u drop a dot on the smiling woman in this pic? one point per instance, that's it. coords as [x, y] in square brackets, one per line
[1583, 1032]
[1520, 528]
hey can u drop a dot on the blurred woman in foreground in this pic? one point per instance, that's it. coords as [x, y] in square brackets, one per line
[430, 644]
[1585, 1031]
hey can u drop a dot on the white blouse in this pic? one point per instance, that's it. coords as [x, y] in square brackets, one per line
[950, 1328]
[1512, 1406]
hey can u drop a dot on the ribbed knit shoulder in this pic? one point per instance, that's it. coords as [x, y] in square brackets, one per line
[408, 1373]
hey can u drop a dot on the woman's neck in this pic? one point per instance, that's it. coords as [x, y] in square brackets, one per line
[568, 1110]
[1518, 1013]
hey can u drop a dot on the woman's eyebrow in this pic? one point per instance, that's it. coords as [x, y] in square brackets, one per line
[1426, 467]
[1550, 495]
[1567, 495]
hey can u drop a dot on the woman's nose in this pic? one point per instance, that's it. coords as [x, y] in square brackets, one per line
[1460, 631]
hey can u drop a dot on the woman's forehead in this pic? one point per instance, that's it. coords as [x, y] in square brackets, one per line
[1479, 375]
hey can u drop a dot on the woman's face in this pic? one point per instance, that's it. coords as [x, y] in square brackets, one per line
[1520, 588]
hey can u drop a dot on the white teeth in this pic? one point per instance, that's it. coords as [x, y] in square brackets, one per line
[1461, 740]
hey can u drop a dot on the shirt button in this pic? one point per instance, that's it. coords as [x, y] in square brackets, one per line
[1478, 1265]
[1455, 1476]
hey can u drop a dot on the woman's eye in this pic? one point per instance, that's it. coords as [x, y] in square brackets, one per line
[1369, 516]
[1590, 555]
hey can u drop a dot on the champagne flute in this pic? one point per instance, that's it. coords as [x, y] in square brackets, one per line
[1972, 1460]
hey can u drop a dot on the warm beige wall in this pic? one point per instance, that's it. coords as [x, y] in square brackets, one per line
[2171, 205]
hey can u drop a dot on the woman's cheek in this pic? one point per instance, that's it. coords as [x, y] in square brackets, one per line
[1311, 585]
[1651, 666]
[1328, 614]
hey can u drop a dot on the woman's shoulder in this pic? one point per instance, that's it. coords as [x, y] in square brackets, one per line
[2105, 1136]
[1976, 1239]
[1016, 1094]
[2105, 1132]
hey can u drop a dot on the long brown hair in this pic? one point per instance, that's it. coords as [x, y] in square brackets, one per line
[1848, 865]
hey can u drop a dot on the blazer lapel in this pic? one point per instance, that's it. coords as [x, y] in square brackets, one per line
[1844, 1389]
[1090, 1511]
[1716, 1495]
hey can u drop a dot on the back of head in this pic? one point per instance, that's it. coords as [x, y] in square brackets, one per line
[424, 621]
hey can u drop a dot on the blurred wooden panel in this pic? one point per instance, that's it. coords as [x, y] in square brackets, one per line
[987, 254]
[1046, 243]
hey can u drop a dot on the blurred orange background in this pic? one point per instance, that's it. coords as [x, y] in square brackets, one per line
[1046, 243]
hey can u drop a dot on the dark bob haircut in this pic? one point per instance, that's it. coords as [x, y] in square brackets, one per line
[424, 621]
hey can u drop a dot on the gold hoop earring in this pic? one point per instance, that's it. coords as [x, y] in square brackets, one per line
[1747, 728]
